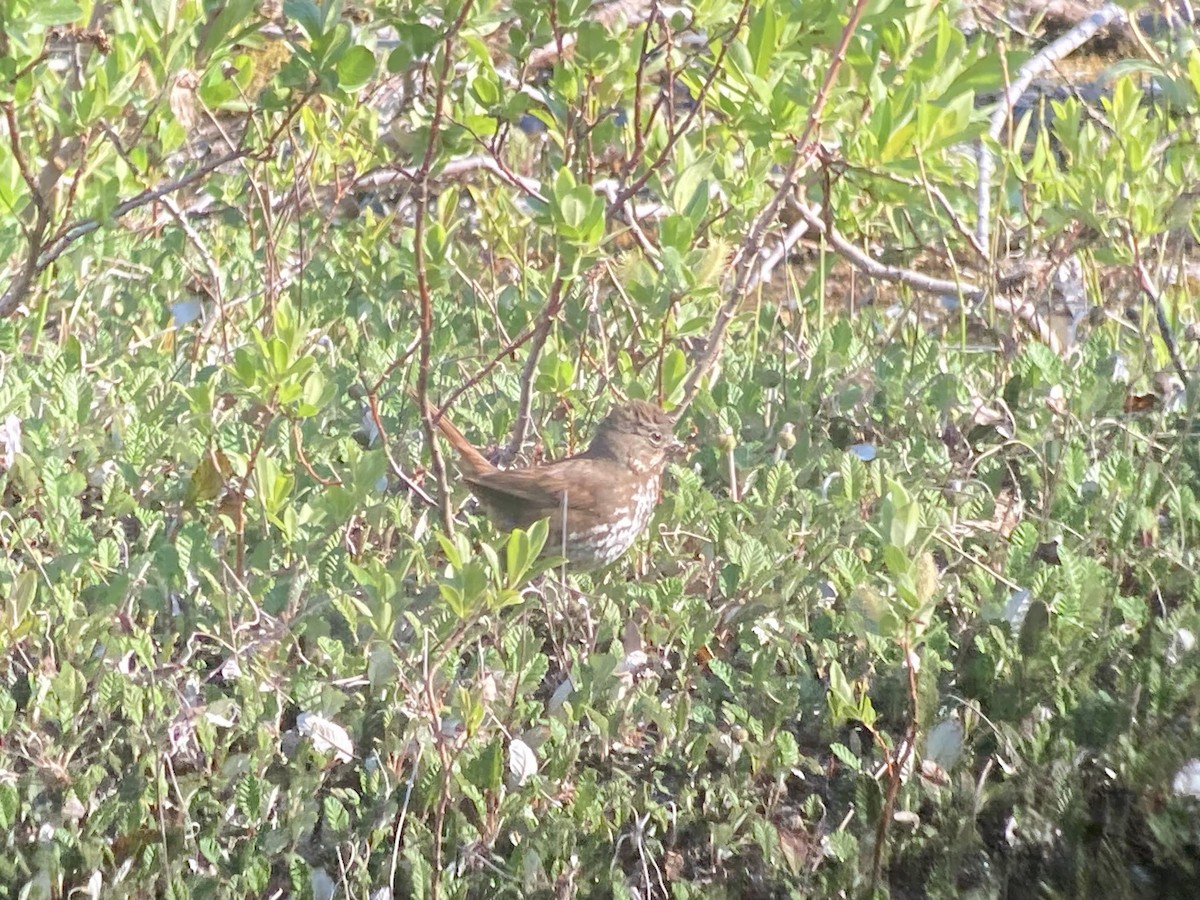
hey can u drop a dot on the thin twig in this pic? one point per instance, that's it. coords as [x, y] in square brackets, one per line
[455, 168]
[639, 140]
[15, 293]
[1146, 283]
[80, 229]
[486, 369]
[373, 407]
[638, 183]
[176, 212]
[298, 441]
[789, 240]
[537, 342]
[408, 789]
[86, 227]
[400, 360]
[896, 761]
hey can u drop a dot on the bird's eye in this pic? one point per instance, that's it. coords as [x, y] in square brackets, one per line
[656, 437]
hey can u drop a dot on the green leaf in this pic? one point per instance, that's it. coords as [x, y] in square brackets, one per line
[231, 15]
[787, 749]
[517, 556]
[305, 14]
[578, 211]
[895, 559]
[676, 232]
[10, 805]
[901, 516]
[899, 143]
[278, 358]
[248, 796]
[453, 555]
[54, 12]
[840, 697]
[336, 816]
[486, 90]
[674, 371]
[846, 756]
[486, 771]
[762, 39]
[595, 46]
[419, 864]
[355, 68]
[19, 603]
[455, 599]
[522, 550]
[315, 395]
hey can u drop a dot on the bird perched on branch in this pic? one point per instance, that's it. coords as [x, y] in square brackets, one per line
[602, 498]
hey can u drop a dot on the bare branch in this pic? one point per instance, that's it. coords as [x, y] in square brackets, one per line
[537, 342]
[875, 269]
[743, 268]
[35, 235]
[65, 238]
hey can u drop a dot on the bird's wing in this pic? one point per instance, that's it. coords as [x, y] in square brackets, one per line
[542, 488]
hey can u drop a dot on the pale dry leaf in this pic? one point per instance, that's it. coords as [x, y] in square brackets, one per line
[1056, 400]
[631, 637]
[182, 99]
[488, 692]
[982, 414]
[10, 441]
[559, 697]
[222, 713]
[934, 773]
[1187, 780]
[1007, 515]
[1183, 642]
[522, 761]
[628, 670]
[326, 736]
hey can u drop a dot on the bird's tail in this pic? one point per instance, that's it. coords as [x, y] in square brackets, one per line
[472, 459]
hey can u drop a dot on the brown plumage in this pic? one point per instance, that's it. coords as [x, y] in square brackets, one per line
[608, 492]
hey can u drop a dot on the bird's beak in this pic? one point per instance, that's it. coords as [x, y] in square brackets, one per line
[675, 448]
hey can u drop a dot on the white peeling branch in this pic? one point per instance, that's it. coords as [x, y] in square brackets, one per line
[884, 272]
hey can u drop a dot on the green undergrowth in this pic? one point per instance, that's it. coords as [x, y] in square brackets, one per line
[715, 711]
[917, 614]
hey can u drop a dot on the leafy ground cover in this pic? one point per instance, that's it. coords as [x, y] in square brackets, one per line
[916, 616]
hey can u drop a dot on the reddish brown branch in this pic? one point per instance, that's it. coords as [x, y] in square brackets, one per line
[298, 442]
[35, 235]
[896, 762]
[637, 184]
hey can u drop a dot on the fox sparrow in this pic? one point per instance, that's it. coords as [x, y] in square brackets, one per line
[602, 498]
